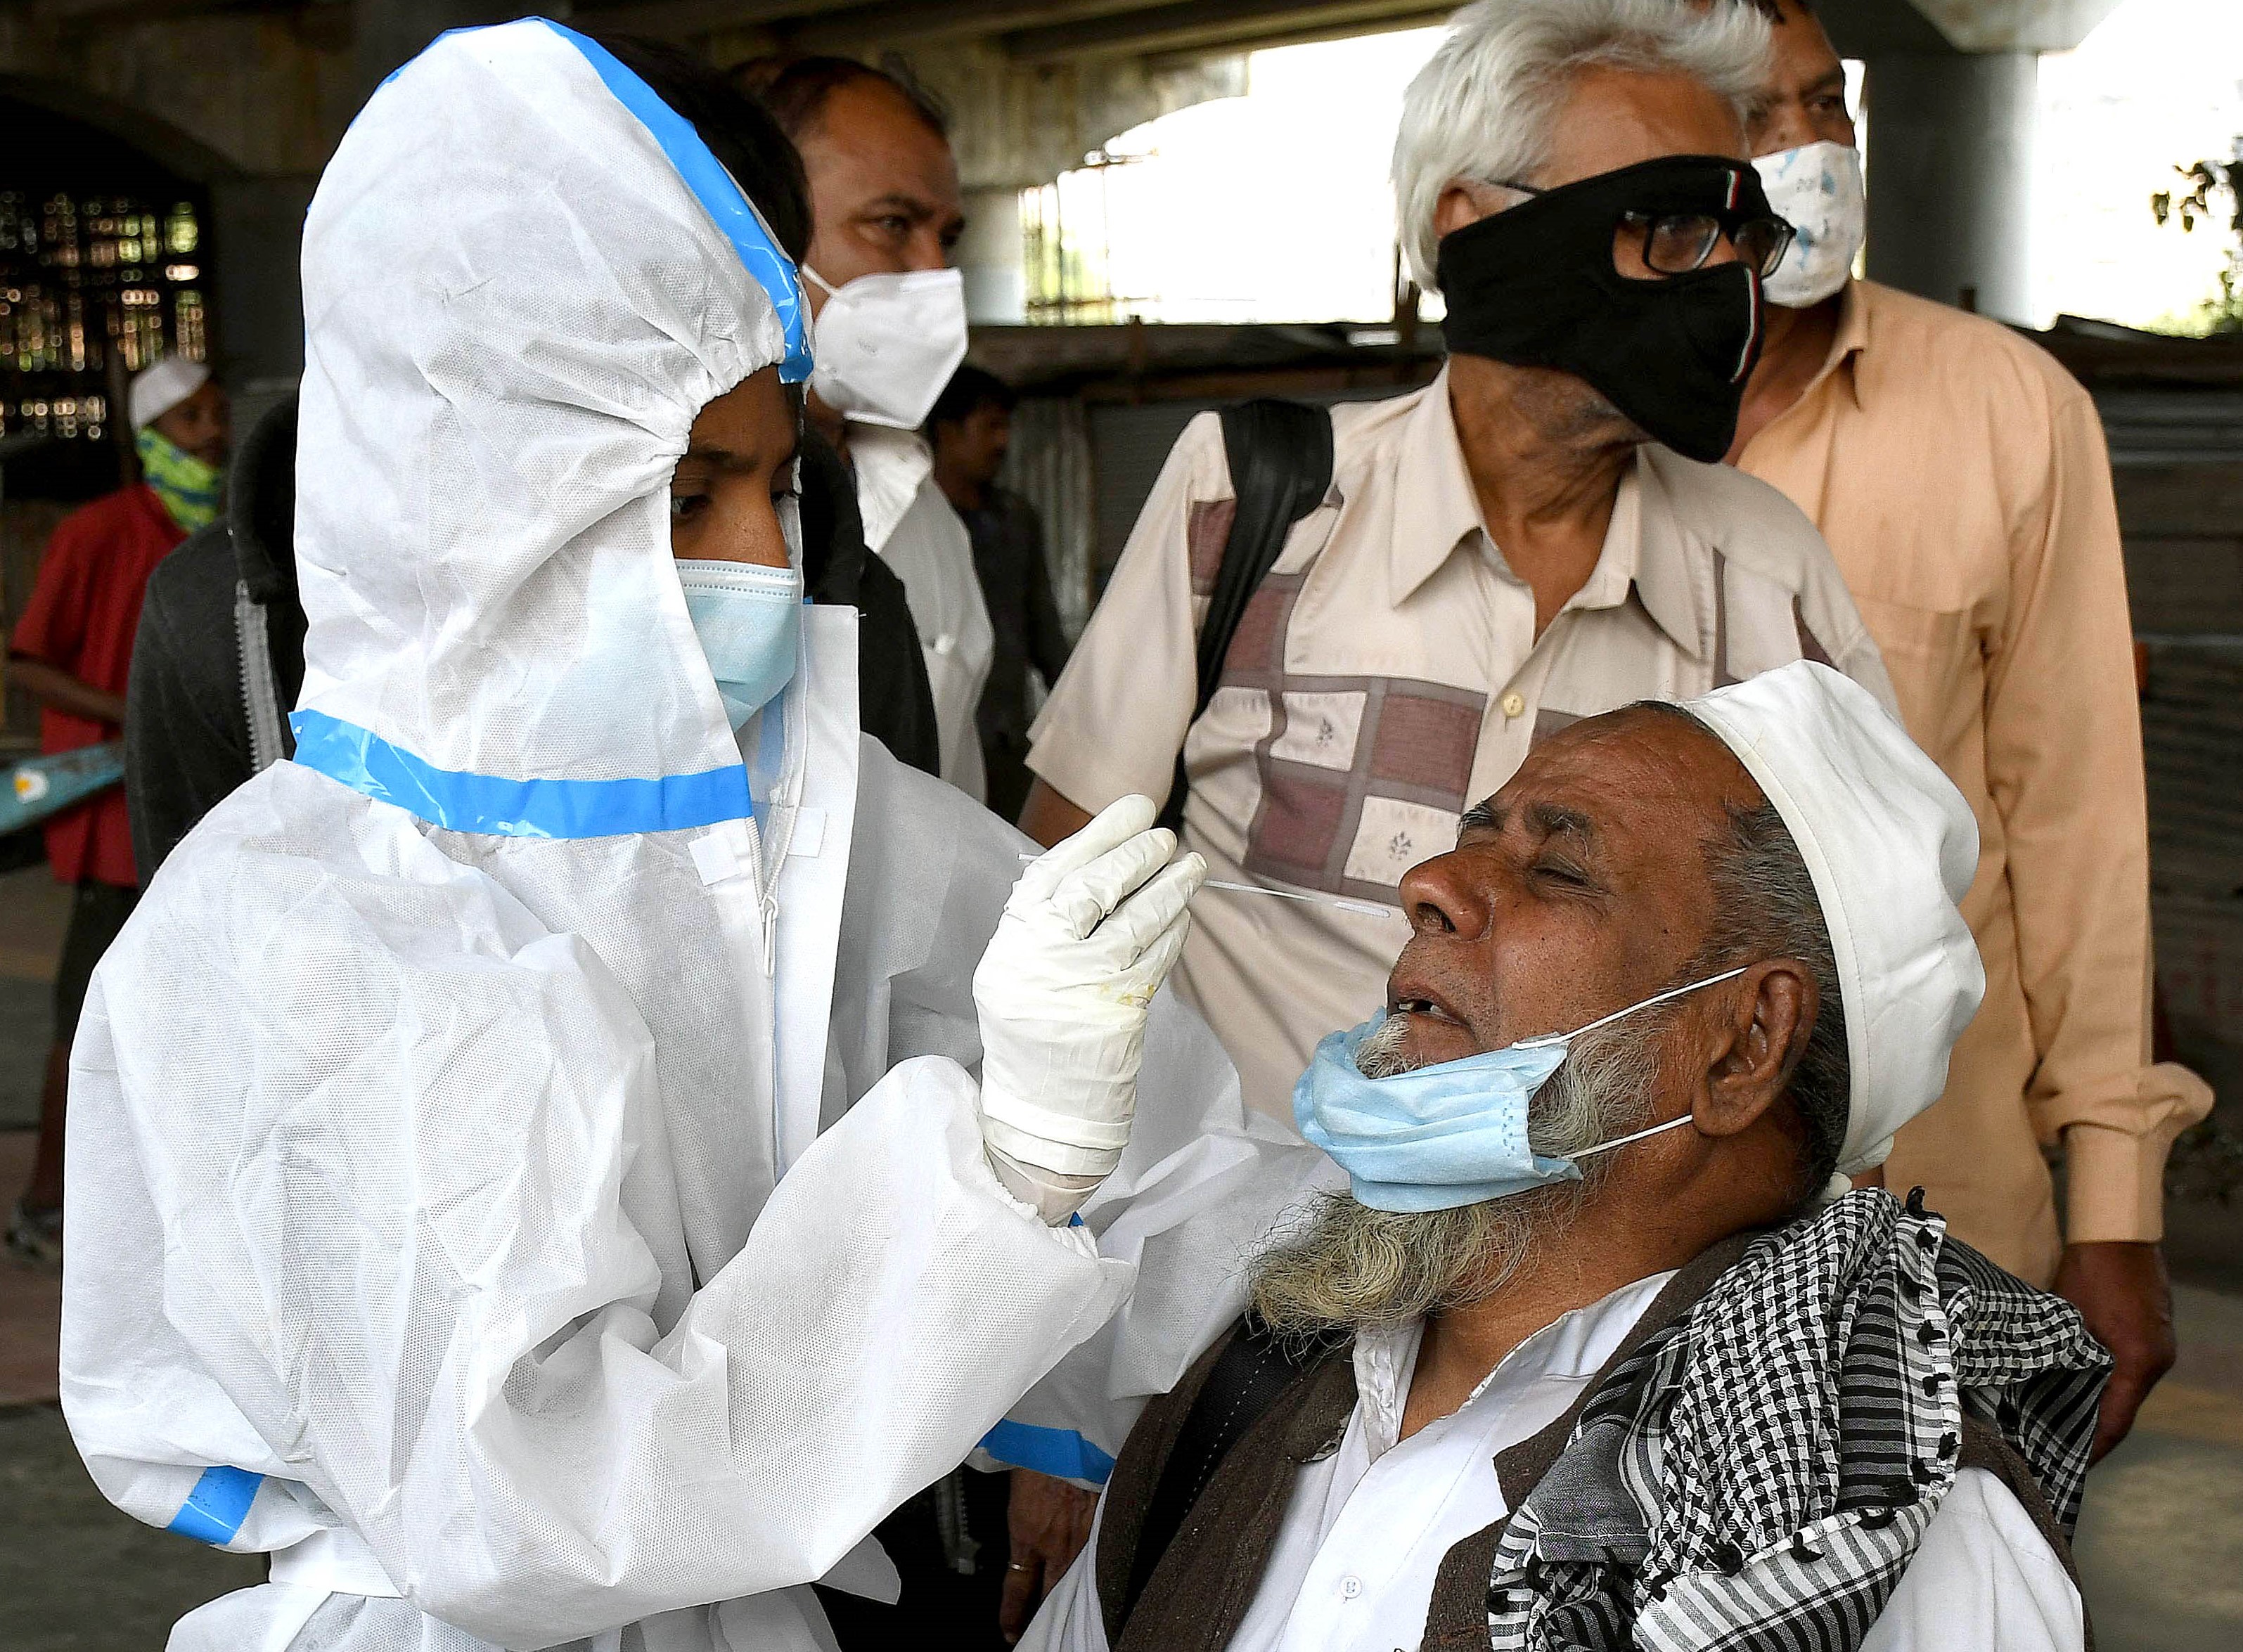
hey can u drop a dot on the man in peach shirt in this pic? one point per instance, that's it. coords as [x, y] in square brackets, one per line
[1961, 477]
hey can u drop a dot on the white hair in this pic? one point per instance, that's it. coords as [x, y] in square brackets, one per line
[1484, 106]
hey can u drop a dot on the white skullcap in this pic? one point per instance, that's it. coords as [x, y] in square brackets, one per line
[158, 389]
[1892, 847]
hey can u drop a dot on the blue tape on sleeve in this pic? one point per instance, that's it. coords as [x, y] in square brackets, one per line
[218, 1505]
[719, 193]
[462, 802]
[1060, 1452]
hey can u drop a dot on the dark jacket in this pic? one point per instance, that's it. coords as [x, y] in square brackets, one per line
[1008, 557]
[187, 738]
[894, 702]
[186, 715]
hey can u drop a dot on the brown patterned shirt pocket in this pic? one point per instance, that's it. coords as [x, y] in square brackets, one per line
[1362, 778]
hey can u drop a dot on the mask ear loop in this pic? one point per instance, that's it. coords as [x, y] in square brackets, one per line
[1566, 1037]
[1622, 1141]
[1548, 1038]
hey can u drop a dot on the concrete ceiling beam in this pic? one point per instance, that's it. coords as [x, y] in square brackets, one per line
[903, 20]
[681, 19]
[1201, 25]
[170, 146]
[2015, 25]
[1055, 30]
[1928, 28]
[131, 11]
[1294, 35]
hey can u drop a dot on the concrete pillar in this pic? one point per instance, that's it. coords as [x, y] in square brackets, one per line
[990, 257]
[1950, 149]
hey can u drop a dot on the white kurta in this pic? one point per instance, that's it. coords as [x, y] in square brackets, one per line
[1353, 1565]
[911, 527]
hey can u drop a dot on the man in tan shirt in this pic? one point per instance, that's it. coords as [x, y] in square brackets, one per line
[1961, 477]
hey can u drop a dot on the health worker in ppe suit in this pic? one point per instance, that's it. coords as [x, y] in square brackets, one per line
[527, 1172]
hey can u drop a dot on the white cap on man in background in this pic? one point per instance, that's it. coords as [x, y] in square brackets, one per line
[158, 389]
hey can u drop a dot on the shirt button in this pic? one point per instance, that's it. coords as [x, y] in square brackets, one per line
[1514, 703]
[1350, 1586]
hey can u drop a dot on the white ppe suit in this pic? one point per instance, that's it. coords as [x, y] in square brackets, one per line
[429, 1120]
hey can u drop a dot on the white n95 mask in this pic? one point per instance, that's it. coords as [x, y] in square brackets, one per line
[748, 619]
[886, 345]
[1817, 189]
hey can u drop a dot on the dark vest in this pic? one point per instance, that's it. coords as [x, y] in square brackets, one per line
[1201, 1589]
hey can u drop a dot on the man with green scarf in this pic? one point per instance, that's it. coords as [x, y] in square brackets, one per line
[72, 650]
[183, 448]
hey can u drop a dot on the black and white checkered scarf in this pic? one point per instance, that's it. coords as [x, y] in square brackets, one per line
[1759, 1474]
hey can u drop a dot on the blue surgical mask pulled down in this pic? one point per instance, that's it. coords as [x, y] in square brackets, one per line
[748, 619]
[1447, 1135]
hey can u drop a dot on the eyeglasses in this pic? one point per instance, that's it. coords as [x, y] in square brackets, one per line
[1677, 242]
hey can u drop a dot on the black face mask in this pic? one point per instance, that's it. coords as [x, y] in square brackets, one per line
[1536, 286]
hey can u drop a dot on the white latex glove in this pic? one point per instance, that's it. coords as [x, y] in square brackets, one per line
[1090, 932]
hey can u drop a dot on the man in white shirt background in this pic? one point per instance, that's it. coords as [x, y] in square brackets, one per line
[891, 330]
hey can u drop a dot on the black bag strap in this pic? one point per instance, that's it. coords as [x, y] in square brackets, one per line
[1254, 1370]
[1281, 467]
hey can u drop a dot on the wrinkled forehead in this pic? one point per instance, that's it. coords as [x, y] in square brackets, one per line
[1615, 118]
[1643, 790]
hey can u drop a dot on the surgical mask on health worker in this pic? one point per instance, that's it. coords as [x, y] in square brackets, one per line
[727, 534]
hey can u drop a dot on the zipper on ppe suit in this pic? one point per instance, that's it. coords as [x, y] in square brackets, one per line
[730, 859]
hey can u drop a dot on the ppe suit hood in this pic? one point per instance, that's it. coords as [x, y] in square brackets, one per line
[496, 392]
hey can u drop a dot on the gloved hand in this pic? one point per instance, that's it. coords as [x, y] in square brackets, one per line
[1090, 932]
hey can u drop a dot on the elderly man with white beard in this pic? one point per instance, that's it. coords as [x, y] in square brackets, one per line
[1598, 1350]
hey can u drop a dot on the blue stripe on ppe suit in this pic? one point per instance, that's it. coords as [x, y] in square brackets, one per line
[500, 807]
[218, 1505]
